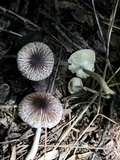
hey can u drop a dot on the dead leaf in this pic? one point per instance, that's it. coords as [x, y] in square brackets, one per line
[67, 5]
[13, 155]
[91, 129]
[13, 136]
[5, 147]
[50, 155]
[3, 121]
[4, 92]
[79, 156]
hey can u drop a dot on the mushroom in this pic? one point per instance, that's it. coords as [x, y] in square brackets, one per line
[80, 59]
[82, 62]
[39, 110]
[75, 85]
[35, 61]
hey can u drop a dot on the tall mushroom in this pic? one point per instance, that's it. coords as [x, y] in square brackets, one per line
[35, 61]
[82, 62]
[39, 110]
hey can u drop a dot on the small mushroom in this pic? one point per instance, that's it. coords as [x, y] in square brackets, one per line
[82, 63]
[35, 61]
[39, 110]
[75, 85]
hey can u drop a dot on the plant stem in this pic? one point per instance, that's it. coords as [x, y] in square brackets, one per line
[34, 148]
[100, 80]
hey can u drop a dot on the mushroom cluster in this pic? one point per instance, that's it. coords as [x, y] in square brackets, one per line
[39, 109]
[82, 62]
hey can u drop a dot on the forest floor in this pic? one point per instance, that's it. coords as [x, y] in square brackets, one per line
[90, 125]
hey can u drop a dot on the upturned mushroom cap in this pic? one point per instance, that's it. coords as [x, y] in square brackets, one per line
[40, 109]
[84, 58]
[75, 85]
[35, 61]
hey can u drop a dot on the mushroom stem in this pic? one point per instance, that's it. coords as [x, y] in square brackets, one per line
[34, 148]
[100, 80]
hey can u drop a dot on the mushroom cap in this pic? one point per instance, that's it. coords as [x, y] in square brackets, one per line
[75, 85]
[35, 61]
[40, 109]
[84, 58]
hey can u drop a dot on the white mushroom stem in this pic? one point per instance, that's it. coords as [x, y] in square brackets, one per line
[34, 148]
[100, 80]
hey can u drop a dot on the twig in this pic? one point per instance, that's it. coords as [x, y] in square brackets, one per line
[69, 150]
[10, 141]
[100, 30]
[61, 26]
[74, 123]
[23, 19]
[113, 75]
[79, 147]
[112, 18]
[116, 27]
[66, 37]
[104, 133]
[16, 34]
[45, 146]
[51, 89]
[34, 25]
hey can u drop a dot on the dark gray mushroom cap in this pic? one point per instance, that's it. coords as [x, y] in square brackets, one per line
[40, 109]
[35, 61]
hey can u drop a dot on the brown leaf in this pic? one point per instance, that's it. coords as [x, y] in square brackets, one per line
[50, 155]
[13, 155]
[79, 156]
